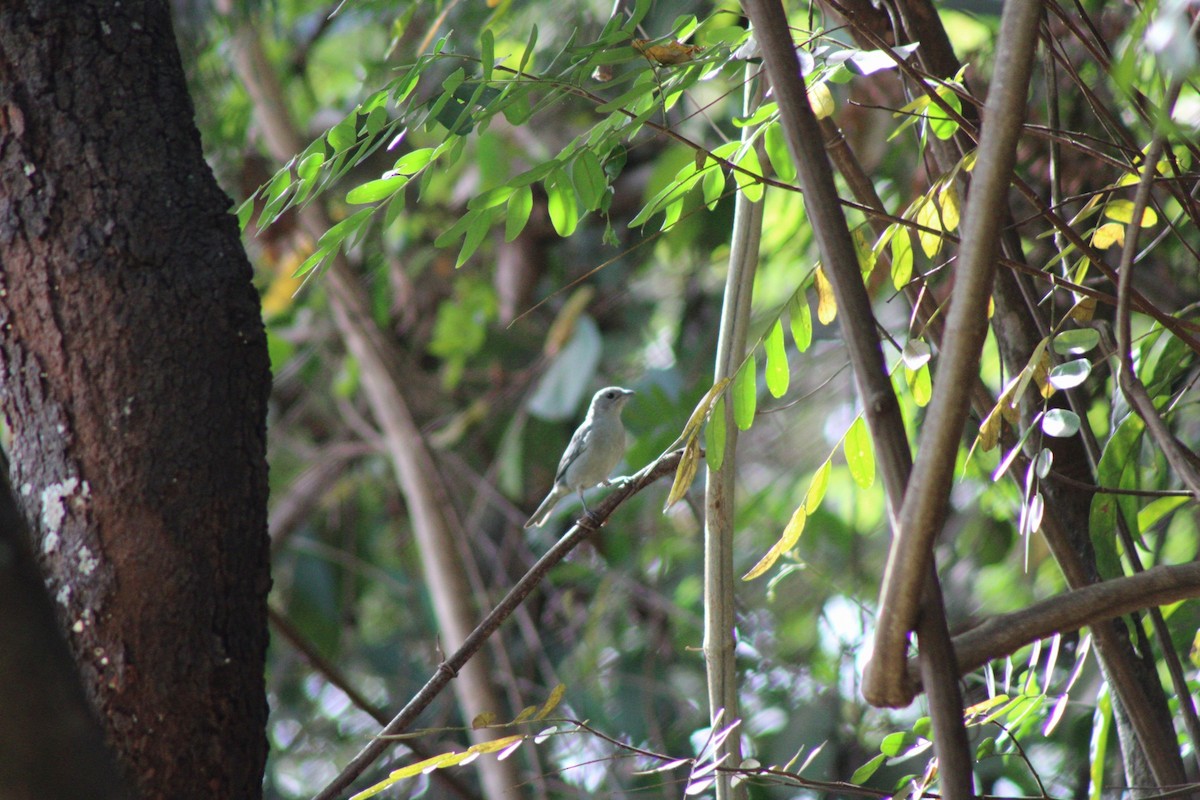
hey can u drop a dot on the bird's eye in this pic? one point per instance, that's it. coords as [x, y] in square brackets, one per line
[610, 395]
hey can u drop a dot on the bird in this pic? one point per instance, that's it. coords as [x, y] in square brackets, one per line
[595, 448]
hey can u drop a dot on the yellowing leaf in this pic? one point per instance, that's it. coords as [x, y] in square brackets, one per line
[816, 489]
[701, 411]
[826, 304]
[821, 100]
[1107, 235]
[989, 431]
[948, 202]
[1041, 374]
[685, 473]
[1083, 310]
[928, 217]
[526, 713]
[495, 744]
[483, 720]
[667, 53]
[1122, 211]
[556, 696]
[791, 535]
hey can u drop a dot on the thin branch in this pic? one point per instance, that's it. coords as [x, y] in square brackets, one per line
[448, 669]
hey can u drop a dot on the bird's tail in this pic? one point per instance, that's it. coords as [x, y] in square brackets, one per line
[543, 511]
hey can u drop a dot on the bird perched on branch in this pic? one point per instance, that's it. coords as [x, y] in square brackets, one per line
[595, 448]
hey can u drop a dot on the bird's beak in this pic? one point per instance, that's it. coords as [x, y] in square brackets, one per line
[629, 392]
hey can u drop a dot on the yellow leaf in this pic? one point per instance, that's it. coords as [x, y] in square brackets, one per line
[948, 201]
[928, 217]
[525, 714]
[1107, 235]
[989, 431]
[821, 100]
[483, 720]
[495, 744]
[791, 535]
[826, 303]
[1122, 211]
[686, 472]
[667, 53]
[1041, 374]
[701, 411]
[556, 696]
[1083, 310]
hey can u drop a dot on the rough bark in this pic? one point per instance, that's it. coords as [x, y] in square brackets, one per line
[134, 377]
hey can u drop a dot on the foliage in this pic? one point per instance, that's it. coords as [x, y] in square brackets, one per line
[481, 164]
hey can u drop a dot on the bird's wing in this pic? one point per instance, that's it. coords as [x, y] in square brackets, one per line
[578, 445]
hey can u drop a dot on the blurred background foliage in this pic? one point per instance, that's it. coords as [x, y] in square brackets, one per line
[499, 355]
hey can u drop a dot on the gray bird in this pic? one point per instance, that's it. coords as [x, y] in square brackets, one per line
[596, 447]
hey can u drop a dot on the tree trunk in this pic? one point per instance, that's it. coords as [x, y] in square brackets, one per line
[134, 377]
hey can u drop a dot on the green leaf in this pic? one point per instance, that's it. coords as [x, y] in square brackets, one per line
[1060, 422]
[528, 52]
[1076, 342]
[816, 488]
[456, 230]
[745, 394]
[864, 773]
[714, 436]
[520, 204]
[476, 232]
[801, 321]
[750, 184]
[1070, 374]
[860, 454]
[589, 179]
[777, 371]
[944, 127]
[775, 144]
[713, 186]
[902, 258]
[564, 214]
[376, 190]
[920, 384]
[413, 162]
[487, 52]
[310, 166]
[896, 743]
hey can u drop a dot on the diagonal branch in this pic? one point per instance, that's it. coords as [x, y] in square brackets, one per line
[448, 669]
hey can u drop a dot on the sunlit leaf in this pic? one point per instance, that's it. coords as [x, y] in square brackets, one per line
[864, 773]
[801, 321]
[777, 151]
[826, 303]
[920, 384]
[1107, 235]
[821, 100]
[750, 180]
[777, 371]
[1060, 422]
[560, 202]
[816, 489]
[860, 453]
[1122, 211]
[520, 204]
[928, 217]
[791, 535]
[948, 204]
[1070, 374]
[1076, 342]
[902, 258]
[745, 394]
